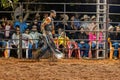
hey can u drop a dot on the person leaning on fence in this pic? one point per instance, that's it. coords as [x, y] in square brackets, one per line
[83, 44]
[115, 37]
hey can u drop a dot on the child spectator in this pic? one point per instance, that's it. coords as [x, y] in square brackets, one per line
[62, 41]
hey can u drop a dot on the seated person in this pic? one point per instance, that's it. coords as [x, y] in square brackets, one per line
[93, 41]
[83, 44]
[115, 36]
[35, 36]
[62, 40]
[16, 37]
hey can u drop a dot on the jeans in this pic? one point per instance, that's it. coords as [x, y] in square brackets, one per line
[94, 45]
[31, 48]
[30, 51]
[116, 46]
[84, 48]
[2, 43]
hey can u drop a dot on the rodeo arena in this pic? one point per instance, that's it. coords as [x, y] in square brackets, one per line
[60, 40]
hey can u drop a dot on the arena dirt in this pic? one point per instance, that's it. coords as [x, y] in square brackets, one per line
[65, 69]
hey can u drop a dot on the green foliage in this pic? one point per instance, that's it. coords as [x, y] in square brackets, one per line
[7, 3]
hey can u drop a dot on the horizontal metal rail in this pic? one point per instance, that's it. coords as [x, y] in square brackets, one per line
[63, 3]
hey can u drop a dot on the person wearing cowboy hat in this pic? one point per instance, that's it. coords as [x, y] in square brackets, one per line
[85, 24]
[93, 18]
[111, 28]
[92, 24]
[85, 18]
[109, 24]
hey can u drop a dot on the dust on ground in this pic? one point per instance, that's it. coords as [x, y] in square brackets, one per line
[65, 69]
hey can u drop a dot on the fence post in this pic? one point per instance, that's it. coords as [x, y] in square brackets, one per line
[107, 17]
[20, 42]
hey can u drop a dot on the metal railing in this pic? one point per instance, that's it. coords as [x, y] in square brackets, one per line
[65, 10]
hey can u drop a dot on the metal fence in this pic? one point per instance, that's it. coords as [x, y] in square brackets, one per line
[99, 9]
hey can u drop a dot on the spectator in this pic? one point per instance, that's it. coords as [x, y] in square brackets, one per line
[35, 36]
[93, 18]
[72, 27]
[109, 22]
[22, 22]
[115, 36]
[7, 29]
[36, 23]
[85, 24]
[60, 31]
[28, 43]
[76, 22]
[64, 21]
[65, 18]
[83, 44]
[93, 39]
[93, 42]
[62, 40]
[92, 34]
[16, 37]
[92, 25]
[45, 16]
[72, 23]
[37, 16]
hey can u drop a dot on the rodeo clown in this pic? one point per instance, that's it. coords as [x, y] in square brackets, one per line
[47, 28]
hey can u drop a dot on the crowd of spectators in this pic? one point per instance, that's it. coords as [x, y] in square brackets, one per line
[82, 30]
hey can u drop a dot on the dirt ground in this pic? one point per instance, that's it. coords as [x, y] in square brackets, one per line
[65, 69]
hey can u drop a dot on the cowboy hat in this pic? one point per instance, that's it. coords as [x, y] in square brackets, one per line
[85, 17]
[110, 28]
[93, 17]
